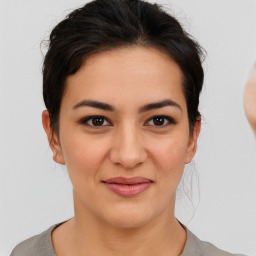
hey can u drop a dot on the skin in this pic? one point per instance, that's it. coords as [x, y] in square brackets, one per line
[128, 144]
[250, 100]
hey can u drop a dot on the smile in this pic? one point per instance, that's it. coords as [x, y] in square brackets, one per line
[128, 187]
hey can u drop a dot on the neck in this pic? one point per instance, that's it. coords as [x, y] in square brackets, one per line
[88, 235]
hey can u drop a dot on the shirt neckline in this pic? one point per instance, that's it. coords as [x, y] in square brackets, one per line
[44, 246]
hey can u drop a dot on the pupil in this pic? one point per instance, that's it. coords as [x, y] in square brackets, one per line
[158, 121]
[98, 121]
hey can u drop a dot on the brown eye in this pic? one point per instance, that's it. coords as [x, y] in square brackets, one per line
[158, 120]
[95, 121]
[161, 121]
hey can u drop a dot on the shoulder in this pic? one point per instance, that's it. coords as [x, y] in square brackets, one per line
[194, 246]
[39, 245]
[211, 250]
[26, 248]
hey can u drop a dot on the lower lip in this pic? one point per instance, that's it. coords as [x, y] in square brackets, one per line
[128, 190]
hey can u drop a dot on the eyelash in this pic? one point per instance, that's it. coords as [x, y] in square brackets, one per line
[170, 121]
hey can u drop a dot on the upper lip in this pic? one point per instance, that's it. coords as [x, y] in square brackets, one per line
[128, 181]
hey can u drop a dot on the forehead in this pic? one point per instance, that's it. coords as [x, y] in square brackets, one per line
[137, 74]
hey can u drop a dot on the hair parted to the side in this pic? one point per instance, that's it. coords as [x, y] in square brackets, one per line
[103, 25]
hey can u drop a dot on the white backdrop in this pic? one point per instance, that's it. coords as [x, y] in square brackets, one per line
[36, 193]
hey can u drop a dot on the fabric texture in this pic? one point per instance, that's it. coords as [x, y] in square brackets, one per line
[41, 245]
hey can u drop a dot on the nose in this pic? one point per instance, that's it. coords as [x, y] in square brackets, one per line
[128, 149]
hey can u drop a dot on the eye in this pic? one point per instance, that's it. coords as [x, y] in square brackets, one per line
[160, 121]
[95, 121]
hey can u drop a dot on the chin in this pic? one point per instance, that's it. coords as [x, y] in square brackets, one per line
[128, 223]
[128, 218]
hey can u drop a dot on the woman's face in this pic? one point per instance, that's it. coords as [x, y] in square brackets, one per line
[124, 135]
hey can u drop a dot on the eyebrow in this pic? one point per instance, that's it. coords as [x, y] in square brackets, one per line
[160, 104]
[94, 104]
[145, 108]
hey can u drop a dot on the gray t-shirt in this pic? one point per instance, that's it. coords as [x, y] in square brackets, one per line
[41, 245]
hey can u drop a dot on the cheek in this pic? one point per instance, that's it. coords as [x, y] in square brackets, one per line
[169, 152]
[83, 155]
[169, 156]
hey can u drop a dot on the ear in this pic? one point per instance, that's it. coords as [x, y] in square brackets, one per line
[192, 145]
[52, 139]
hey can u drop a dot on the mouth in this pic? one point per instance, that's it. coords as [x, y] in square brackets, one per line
[128, 187]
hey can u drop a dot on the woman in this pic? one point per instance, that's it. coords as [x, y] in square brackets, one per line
[121, 84]
[250, 100]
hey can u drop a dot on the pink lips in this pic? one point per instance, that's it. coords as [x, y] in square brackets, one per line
[128, 187]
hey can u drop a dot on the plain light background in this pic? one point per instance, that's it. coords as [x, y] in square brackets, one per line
[35, 193]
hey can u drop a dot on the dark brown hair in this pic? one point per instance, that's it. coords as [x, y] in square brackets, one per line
[103, 25]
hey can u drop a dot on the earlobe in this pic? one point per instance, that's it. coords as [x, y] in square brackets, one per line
[192, 146]
[52, 139]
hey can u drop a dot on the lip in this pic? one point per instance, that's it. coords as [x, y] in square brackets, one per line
[128, 181]
[128, 187]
